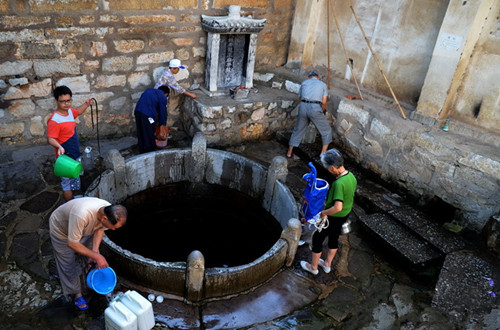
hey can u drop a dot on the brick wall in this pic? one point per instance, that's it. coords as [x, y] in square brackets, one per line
[112, 51]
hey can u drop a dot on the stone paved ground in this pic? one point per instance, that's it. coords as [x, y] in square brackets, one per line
[367, 290]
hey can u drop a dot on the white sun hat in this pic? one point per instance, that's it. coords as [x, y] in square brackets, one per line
[175, 63]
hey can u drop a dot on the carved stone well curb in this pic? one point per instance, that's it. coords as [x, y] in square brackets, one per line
[199, 164]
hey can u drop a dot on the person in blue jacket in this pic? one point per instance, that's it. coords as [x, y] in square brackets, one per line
[151, 111]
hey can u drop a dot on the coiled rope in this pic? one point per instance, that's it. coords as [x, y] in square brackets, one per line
[318, 222]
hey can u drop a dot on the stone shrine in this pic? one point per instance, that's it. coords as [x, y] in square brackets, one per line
[231, 49]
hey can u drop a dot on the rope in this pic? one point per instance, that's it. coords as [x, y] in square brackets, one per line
[318, 222]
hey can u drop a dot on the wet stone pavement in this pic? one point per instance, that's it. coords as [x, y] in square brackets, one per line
[370, 286]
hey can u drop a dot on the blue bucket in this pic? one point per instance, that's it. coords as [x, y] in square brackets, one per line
[102, 281]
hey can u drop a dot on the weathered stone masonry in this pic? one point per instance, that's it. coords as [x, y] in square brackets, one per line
[110, 50]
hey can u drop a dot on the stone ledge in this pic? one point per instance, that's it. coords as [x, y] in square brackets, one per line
[463, 284]
[427, 162]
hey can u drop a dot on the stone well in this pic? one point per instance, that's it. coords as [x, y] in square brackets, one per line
[190, 279]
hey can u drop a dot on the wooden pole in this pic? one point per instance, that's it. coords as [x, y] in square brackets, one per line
[378, 63]
[328, 38]
[345, 52]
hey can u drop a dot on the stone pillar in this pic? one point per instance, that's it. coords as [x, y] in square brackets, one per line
[460, 31]
[291, 234]
[252, 51]
[116, 162]
[277, 171]
[303, 32]
[195, 275]
[213, 43]
[198, 158]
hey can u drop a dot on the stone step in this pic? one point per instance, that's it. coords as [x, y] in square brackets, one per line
[402, 240]
[442, 239]
[378, 199]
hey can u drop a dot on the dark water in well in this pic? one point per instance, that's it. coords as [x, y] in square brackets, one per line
[167, 223]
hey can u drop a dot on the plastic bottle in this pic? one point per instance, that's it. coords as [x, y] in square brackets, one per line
[87, 160]
[446, 126]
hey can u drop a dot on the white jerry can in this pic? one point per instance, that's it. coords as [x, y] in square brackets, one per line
[141, 307]
[119, 317]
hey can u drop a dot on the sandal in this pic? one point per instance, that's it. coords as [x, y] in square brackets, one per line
[81, 303]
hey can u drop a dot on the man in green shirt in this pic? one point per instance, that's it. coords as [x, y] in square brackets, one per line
[338, 206]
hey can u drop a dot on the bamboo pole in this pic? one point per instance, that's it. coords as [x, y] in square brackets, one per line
[328, 38]
[345, 51]
[377, 61]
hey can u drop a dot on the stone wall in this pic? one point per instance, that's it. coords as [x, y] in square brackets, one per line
[112, 51]
[232, 122]
[461, 166]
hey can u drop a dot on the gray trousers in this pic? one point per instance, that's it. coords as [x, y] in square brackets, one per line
[310, 112]
[69, 264]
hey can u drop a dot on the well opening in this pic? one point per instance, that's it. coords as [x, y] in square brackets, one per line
[227, 226]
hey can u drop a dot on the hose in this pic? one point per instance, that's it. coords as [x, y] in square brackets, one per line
[94, 186]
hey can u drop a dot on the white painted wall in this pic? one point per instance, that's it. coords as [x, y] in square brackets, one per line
[402, 34]
[407, 37]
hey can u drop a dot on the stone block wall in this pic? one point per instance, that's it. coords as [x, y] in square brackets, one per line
[235, 122]
[462, 170]
[112, 51]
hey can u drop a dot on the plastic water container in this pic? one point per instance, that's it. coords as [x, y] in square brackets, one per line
[141, 307]
[119, 317]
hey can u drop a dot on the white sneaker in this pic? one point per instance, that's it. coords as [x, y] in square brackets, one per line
[301, 242]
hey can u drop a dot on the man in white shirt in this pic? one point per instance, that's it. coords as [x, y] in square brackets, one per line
[78, 226]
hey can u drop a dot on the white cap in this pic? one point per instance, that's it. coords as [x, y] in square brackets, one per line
[175, 63]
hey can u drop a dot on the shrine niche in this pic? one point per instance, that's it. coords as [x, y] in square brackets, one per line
[231, 50]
